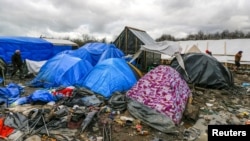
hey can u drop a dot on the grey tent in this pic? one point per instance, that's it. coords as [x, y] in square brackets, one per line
[204, 71]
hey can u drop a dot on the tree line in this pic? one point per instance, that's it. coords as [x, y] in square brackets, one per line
[226, 34]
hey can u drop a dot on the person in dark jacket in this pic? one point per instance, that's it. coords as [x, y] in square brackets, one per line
[237, 59]
[17, 63]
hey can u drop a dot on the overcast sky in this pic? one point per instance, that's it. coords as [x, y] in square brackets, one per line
[107, 18]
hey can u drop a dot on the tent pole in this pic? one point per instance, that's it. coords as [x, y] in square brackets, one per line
[3, 77]
[126, 38]
[136, 44]
[225, 52]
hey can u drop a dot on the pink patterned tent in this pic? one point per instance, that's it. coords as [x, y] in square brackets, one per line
[163, 90]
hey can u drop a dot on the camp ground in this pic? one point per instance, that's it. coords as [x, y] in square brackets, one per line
[108, 92]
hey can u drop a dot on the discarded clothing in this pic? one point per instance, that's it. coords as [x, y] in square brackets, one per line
[5, 131]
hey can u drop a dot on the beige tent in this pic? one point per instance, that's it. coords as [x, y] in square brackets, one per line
[193, 49]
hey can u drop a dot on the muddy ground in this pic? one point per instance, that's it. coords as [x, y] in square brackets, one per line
[221, 101]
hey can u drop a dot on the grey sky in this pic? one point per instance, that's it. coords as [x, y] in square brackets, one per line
[107, 18]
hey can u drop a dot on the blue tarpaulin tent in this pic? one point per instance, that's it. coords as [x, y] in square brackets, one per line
[97, 52]
[109, 76]
[31, 48]
[61, 70]
[71, 66]
[57, 49]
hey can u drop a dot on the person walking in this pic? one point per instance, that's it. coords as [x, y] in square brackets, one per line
[17, 64]
[237, 59]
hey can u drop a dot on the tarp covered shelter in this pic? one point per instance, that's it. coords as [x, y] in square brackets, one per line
[204, 71]
[130, 41]
[109, 76]
[61, 45]
[31, 48]
[71, 66]
[96, 52]
[163, 90]
[61, 70]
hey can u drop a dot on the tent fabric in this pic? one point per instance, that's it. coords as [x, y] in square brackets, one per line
[163, 90]
[164, 48]
[193, 49]
[109, 76]
[97, 52]
[61, 70]
[31, 48]
[34, 66]
[61, 42]
[204, 71]
[151, 117]
[10, 93]
[167, 48]
[70, 67]
[60, 48]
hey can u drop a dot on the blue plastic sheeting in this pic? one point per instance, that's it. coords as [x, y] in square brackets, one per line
[109, 76]
[60, 48]
[61, 70]
[20, 101]
[10, 93]
[41, 95]
[97, 52]
[35, 49]
[1, 80]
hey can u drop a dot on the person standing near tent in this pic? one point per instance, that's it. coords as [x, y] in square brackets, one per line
[17, 63]
[237, 59]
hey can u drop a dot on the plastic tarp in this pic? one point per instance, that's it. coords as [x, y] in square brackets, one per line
[109, 76]
[163, 90]
[59, 48]
[35, 49]
[34, 66]
[204, 71]
[41, 95]
[166, 48]
[96, 52]
[151, 117]
[10, 93]
[61, 70]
